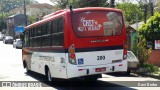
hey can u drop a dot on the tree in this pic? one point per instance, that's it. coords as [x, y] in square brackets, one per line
[130, 11]
[158, 4]
[7, 5]
[140, 50]
[91, 3]
[149, 33]
[80, 3]
[32, 19]
[61, 4]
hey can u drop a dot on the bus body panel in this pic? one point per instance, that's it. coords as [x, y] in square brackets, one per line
[55, 62]
[98, 57]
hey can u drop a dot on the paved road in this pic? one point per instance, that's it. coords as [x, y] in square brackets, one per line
[11, 69]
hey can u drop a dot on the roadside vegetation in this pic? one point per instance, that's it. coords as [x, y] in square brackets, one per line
[147, 33]
[151, 68]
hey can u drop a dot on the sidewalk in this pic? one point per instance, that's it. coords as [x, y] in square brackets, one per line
[148, 74]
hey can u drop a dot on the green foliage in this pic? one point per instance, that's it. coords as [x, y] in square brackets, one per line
[150, 67]
[7, 5]
[130, 11]
[3, 24]
[140, 50]
[150, 32]
[80, 3]
[158, 4]
[90, 3]
[32, 19]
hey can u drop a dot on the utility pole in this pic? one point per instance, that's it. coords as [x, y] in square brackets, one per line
[25, 16]
[2, 21]
[112, 3]
[152, 28]
[151, 6]
[145, 13]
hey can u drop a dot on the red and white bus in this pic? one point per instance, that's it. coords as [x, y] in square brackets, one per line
[83, 42]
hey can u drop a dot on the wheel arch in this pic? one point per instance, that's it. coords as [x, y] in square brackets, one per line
[46, 68]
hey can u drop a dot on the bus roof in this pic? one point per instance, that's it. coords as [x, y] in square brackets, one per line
[62, 12]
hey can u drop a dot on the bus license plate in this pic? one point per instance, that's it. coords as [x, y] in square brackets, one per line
[100, 69]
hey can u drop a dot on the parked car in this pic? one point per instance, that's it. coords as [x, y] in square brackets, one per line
[133, 62]
[17, 43]
[8, 39]
[1, 37]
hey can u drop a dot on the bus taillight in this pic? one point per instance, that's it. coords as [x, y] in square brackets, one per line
[72, 56]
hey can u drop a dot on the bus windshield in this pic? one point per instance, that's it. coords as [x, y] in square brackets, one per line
[97, 23]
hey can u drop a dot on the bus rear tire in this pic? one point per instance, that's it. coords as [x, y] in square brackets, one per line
[128, 73]
[48, 74]
[92, 77]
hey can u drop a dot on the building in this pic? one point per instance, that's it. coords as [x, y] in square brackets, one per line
[14, 21]
[132, 32]
[18, 18]
[38, 10]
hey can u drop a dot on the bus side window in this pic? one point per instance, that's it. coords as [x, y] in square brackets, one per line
[38, 31]
[54, 42]
[34, 42]
[39, 41]
[46, 41]
[31, 42]
[61, 32]
[61, 25]
[43, 28]
[26, 39]
[49, 28]
[54, 26]
[57, 32]
[60, 39]
[34, 31]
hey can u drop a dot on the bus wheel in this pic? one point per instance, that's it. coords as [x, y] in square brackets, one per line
[49, 77]
[91, 78]
[128, 72]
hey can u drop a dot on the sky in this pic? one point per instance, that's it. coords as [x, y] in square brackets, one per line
[45, 1]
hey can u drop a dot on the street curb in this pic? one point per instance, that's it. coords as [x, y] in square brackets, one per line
[149, 75]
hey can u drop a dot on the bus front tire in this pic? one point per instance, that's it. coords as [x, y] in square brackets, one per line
[128, 73]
